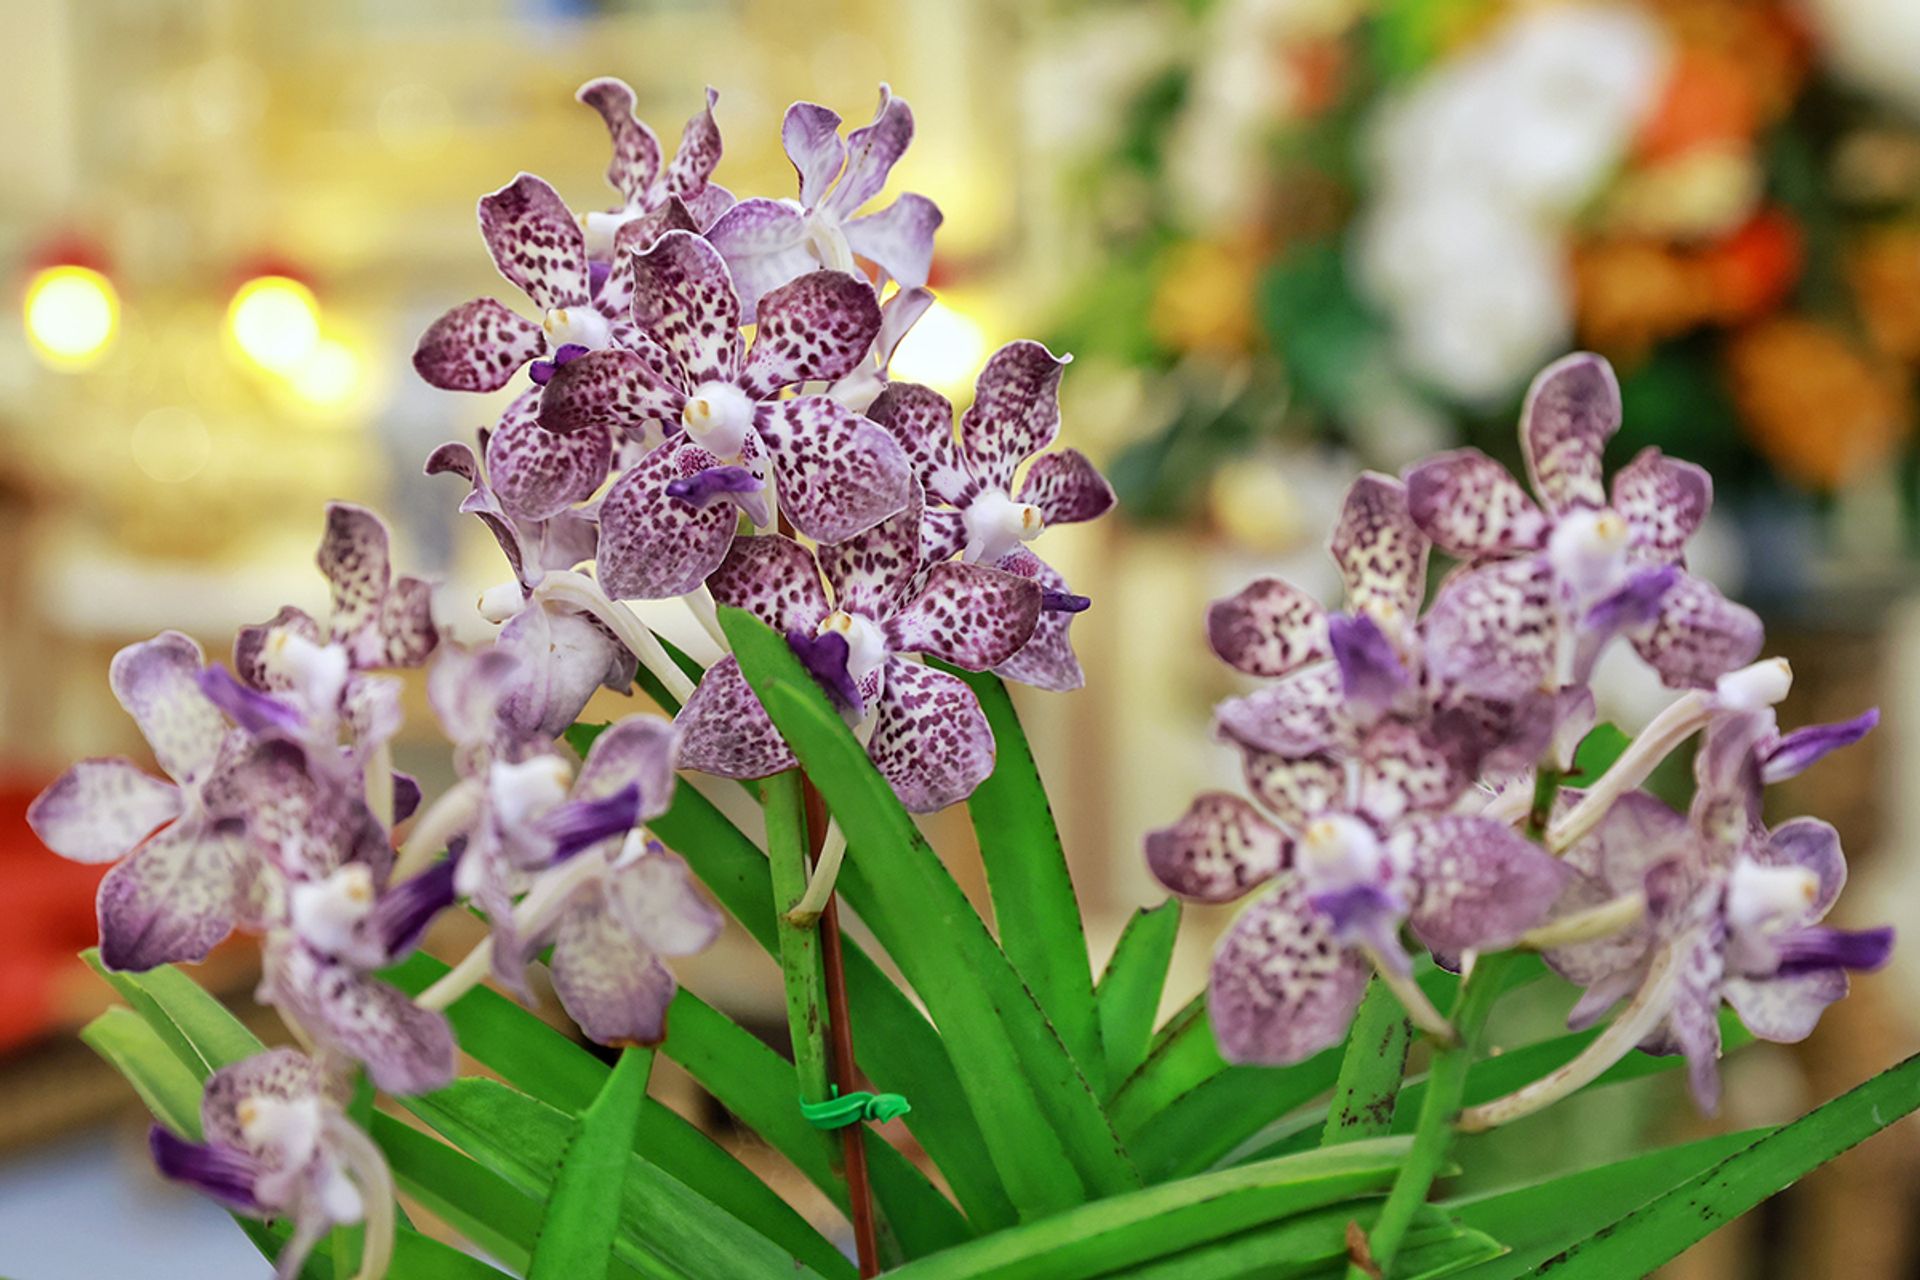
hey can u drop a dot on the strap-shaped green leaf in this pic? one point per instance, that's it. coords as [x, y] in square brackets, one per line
[1049, 1139]
[1682, 1216]
[1128, 995]
[475, 1201]
[582, 1220]
[1035, 908]
[1305, 1245]
[150, 1065]
[415, 1256]
[665, 1227]
[1543, 1218]
[897, 1047]
[1371, 1069]
[182, 1012]
[1123, 1233]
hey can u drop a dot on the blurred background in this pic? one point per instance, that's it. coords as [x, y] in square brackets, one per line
[1284, 239]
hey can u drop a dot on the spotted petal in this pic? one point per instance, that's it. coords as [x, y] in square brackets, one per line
[1047, 660]
[539, 473]
[775, 579]
[1637, 834]
[406, 1049]
[815, 328]
[477, 346]
[99, 809]
[1480, 884]
[726, 732]
[765, 245]
[872, 151]
[1663, 501]
[173, 898]
[967, 614]
[1066, 487]
[1471, 506]
[1402, 771]
[609, 983]
[1571, 411]
[652, 545]
[698, 154]
[899, 238]
[838, 472]
[1493, 631]
[537, 243]
[1699, 636]
[613, 389]
[683, 297]
[636, 150]
[930, 738]
[1219, 849]
[158, 682]
[921, 419]
[1015, 411]
[1299, 715]
[354, 560]
[1268, 628]
[1381, 552]
[1281, 989]
[810, 134]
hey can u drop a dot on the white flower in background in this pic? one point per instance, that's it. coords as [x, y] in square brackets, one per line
[1477, 170]
[1873, 43]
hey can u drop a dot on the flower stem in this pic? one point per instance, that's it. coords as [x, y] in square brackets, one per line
[826, 870]
[444, 819]
[799, 944]
[583, 593]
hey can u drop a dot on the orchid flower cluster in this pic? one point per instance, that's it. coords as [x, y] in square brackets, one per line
[1404, 769]
[654, 453]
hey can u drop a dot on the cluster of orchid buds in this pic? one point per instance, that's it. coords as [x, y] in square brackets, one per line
[1405, 769]
[654, 454]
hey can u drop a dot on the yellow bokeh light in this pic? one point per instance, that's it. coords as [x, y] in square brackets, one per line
[330, 376]
[275, 321]
[72, 314]
[944, 350]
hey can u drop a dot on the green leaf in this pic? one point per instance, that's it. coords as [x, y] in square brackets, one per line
[1035, 909]
[894, 1043]
[475, 1201]
[1122, 1233]
[1129, 993]
[202, 1031]
[1682, 1216]
[150, 1065]
[1042, 1123]
[1596, 753]
[415, 1256]
[1371, 1069]
[1308, 1244]
[549, 1066]
[666, 1229]
[1541, 1219]
[577, 1233]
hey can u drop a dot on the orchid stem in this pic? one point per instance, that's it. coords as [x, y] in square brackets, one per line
[826, 870]
[583, 593]
[1650, 1004]
[462, 978]
[1601, 921]
[444, 819]
[799, 944]
[700, 604]
[378, 778]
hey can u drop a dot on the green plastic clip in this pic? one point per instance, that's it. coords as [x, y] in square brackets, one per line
[840, 1110]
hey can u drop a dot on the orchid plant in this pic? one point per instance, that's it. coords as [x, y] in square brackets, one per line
[1426, 818]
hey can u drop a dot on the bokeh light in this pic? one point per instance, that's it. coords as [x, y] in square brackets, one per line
[330, 377]
[943, 350]
[275, 321]
[171, 445]
[72, 314]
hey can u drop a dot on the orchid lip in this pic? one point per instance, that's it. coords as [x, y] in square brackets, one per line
[718, 416]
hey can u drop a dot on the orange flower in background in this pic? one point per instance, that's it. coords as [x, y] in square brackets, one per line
[1822, 412]
[1751, 272]
[1709, 100]
[1885, 271]
[1630, 294]
[1204, 299]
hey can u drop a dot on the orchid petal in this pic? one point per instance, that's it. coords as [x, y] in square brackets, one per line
[698, 154]
[765, 245]
[1699, 636]
[921, 419]
[1786, 1009]
[838, 472]
[872, 151]
[810, 135]
[636, 752]
[1299, 715]
[1493, 630]
[815, 328]
[652, 545]
[1281, 989]
[406, 1049]
[967, 614]
[871, 571]
[158, 682]
[899, 238]
[539, 473]
[173, 898]
[1480, 883]
[1811, 845]
[636, 150]
[775, 579]
[656, 900]
[1381, 552]
[477, 346]
[930, 738]
[1571, 411]
[100, 809]
[726, 732]
[1270, 628]
[683, 297]
[1066, 487]
[1471, 506]
[629, 391]
[1046, 661]
[536, 243]
[563, 659]
[1015, 411]
[1797, 752]
[608, 982]
[1219, 849]
[1663, 501]
[1294, 790]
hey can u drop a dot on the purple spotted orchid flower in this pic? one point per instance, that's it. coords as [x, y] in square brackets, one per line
[898, 314]
[1581, 565]
[734, 445]
[974, 511]
[924, 729]
[1349, 852]
[769, 242]
[185, 876]
[275, 1142]
[612, 902]
[648, 194]
[1732, 909]
[541, 249]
